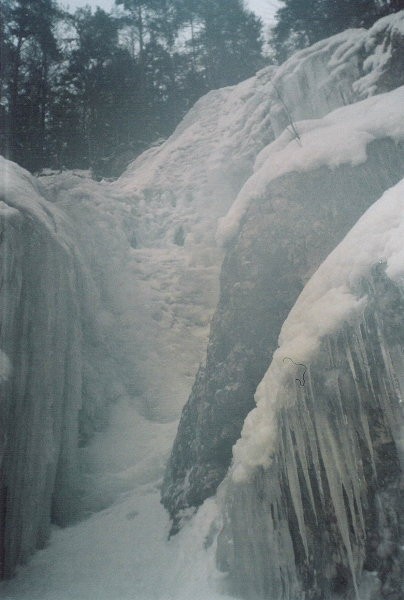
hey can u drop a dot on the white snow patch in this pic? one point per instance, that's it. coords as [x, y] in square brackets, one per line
[339, 138]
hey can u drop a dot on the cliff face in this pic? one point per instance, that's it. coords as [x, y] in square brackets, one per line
[288, 222]
[282, 224]
[328, 511]
[313, 504]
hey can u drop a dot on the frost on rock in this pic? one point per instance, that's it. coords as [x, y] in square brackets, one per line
[316, 474]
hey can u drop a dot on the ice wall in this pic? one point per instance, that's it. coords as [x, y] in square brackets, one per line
[338, 71]
[57, 370]
[313, 502]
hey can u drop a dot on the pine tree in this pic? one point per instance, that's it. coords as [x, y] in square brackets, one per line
[102, 81]
[226, 40]
[303, 22]
[30, 48]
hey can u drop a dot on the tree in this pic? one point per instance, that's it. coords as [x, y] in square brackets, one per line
[225, 40]
[97, 90]
[79, 89]
[29, 47]
[303, 22]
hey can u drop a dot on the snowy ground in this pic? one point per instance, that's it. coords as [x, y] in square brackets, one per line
[122, 552]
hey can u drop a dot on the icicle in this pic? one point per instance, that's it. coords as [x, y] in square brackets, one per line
[297, 422]
[312, 439]
[294, 488]
[333, 468]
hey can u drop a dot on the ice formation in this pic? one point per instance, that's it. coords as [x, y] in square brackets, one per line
[56, 363]
[304, 195]
[107, 294]
[316, 463]
[341, 137]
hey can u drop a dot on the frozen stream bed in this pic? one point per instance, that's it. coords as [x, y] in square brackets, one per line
[122, 552]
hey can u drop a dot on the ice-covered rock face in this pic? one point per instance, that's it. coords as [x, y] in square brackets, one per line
[282, 241]
[338, 71]
[314, 498]
[41, 342]
[308, 188]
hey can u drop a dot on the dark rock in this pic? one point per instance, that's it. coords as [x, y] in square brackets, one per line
[283, 239]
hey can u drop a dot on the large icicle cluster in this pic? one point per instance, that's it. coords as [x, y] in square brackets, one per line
[316, 476]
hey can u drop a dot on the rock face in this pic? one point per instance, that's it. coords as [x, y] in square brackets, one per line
[330, 506]
[282, 228]
[313, 507]
[283, 240]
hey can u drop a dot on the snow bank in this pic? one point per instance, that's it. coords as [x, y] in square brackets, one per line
[339, 138]
[329, 299]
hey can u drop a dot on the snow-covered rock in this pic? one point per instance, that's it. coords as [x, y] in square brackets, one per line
[289, 223]
[347, 69]
[314, 491]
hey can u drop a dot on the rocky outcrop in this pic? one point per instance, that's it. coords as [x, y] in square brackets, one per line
[284, 222]
[313, 505]
[283, 240]
[329, 509]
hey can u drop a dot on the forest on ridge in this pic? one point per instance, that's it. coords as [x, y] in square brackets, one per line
[93, 89]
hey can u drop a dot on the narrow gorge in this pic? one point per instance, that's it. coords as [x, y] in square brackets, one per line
[202, 362]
